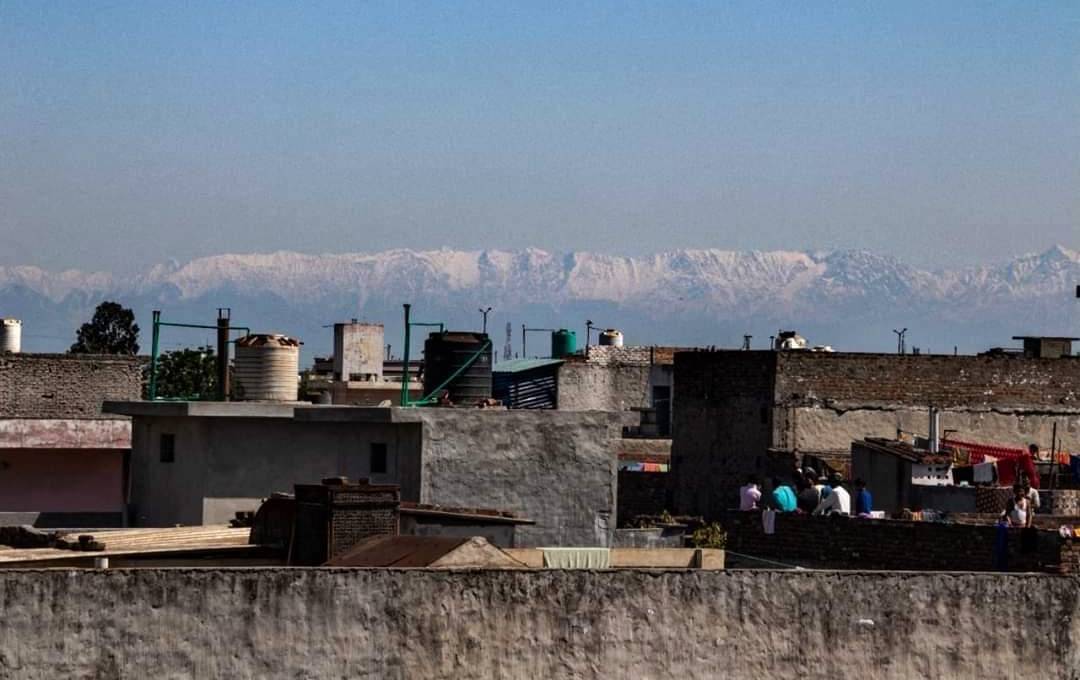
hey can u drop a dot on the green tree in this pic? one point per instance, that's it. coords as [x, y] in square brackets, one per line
[112, 331]
[187, 374]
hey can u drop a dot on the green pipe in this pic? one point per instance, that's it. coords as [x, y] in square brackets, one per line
[154, 355]
[476, 355]
[154, 345]
[405, 362]
[197, 325]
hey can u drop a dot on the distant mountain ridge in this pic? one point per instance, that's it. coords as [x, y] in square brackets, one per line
[690, 291]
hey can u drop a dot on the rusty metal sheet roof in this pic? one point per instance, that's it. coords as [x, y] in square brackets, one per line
[398, 551]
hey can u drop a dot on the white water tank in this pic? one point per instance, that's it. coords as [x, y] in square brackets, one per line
[266, 368]
[10, 335]
[611, 338]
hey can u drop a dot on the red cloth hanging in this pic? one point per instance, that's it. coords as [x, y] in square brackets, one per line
[1011, 462]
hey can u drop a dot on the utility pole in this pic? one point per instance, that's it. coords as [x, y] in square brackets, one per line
[484, 312]
[746, 341]
[507, 348]
[900, 346]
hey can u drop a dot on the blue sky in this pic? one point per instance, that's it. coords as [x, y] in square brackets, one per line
[133, 132]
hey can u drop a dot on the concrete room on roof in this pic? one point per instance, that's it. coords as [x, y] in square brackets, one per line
[201, 462]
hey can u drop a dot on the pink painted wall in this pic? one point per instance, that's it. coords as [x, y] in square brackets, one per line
[52, 480]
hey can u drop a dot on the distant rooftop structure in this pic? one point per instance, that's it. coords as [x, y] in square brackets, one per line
[1046, 347]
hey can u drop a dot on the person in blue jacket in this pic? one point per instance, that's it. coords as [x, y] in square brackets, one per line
[864, 502]
[783, 496]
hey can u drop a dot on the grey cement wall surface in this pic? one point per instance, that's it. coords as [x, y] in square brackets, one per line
[227, 464]
[557, 468]
[834, 427]
[597, 387]
[324, 623]
[66, 385]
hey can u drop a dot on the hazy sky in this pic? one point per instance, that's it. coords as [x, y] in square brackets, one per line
[132, 132]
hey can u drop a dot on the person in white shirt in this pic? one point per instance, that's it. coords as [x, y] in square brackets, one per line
[838, 502]
[750, 494]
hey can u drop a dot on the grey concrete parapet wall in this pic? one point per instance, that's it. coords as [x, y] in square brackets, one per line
[324, 623]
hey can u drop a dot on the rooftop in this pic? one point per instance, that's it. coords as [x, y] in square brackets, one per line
[906, 451]
[522, 365]
[119, 542]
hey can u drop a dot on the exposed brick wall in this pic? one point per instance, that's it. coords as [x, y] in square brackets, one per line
[925, 380]
[357, 514]
[66, 385]
[641, 493]
[853, 543]
[332, 518]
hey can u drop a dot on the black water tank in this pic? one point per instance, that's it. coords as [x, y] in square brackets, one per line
[445, 353]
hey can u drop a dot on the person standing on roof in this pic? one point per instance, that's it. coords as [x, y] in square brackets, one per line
[749, 494]
[864, 502]
[838, 502]
[783, 496]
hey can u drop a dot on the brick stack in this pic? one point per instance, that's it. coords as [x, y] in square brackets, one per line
[336, 515]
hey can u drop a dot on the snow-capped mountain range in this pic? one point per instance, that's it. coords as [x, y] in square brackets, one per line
[850, 299]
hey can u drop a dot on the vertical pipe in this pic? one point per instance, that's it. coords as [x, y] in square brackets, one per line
[224, 314]
[405, 361]
[154, 354]
[935, 430]
[523, 355]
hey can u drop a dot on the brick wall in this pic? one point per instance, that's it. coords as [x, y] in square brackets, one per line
[641, 493]
[925, 380]
[852, 543]
[66, 385]
[331, 518]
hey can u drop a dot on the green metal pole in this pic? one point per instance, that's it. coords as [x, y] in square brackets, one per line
[154, 355]
[405, 362]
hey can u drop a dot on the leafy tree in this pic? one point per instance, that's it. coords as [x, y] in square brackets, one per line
[112, 331]
[187, 373]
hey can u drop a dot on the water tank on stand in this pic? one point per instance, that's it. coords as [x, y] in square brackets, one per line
[563, 343]
[447, 352]
[611, 338]
[266, 368]
[10, 335]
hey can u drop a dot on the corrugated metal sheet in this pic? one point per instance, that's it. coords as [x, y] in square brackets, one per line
[536, 388]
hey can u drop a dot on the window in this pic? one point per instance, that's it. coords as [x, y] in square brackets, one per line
[167, 448]
[378, 459]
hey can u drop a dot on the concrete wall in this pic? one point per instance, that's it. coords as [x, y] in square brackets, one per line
[358, 349]
[70, 481]
[65, 385]
[553, 467]
[596, 387]
[557, 468]
[321, 623]
[223, 465]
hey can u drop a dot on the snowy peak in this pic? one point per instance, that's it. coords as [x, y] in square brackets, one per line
[719, 279]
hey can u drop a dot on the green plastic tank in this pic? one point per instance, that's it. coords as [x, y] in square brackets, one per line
[563, 343]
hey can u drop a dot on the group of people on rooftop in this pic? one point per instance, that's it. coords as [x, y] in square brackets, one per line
[810, 494]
